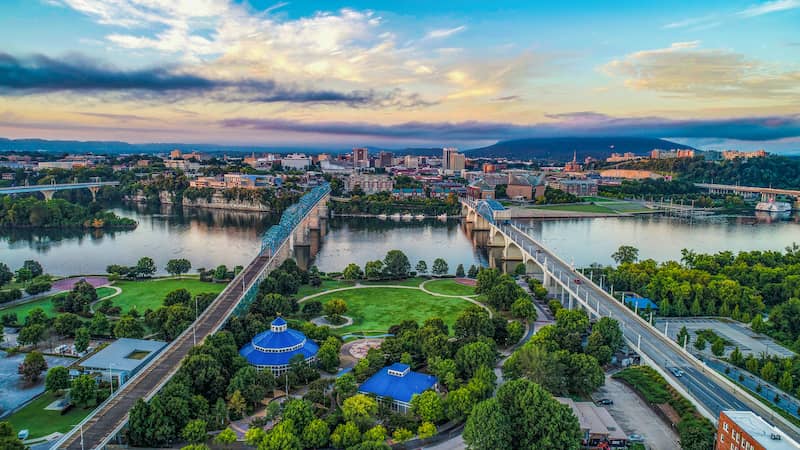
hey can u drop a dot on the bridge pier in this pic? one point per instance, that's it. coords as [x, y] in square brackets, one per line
[48, 194]
[93, 190]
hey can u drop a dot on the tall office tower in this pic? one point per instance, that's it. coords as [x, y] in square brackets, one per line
[446, 152]
[360, 157]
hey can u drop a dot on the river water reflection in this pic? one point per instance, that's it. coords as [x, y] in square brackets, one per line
[211, 237]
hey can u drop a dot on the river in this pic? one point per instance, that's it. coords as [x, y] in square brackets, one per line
[211, 237]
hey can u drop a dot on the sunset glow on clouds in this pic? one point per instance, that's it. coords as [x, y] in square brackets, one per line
[398, 73]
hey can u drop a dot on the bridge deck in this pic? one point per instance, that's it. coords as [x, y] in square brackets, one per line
[55, 187]
[115, 412]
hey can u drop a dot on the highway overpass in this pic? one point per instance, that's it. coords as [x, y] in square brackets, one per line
[710, 391]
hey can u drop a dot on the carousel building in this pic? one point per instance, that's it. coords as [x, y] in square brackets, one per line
[274, 348]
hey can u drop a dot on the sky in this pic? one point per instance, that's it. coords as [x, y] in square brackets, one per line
[713, 74]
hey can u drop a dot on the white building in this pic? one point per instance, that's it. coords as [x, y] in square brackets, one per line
[297, 161]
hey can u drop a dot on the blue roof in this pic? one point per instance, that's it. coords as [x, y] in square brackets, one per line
[272, 339]
[640, 302]
[399, 388]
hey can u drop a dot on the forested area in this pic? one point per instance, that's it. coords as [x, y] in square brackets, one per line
[744, 286]
[384, 203]
[30, 212]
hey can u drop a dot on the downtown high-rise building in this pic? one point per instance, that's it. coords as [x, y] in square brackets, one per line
[446, 157]
[360, 157]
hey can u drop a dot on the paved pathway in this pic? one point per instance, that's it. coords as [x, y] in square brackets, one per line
[421, 287]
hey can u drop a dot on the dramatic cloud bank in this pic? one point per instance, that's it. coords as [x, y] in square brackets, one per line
[571, 124]
[42, 74]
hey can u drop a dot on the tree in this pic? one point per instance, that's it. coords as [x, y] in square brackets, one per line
[523, 308]
[221, 272]
[718, 347]
[128, 327]
[316, 434]
[178, 297]
[281, 437]
[345, 386]
[31, 334]
[100, 325]
[346, 435]
[177, 267]
[34, 267]
[513, 419]
[237, 405]
[519, 269]
[352, 272]
[24, 275]
[460, 271]
[254, 436]
[515, 332]
[373, 269]
[360, 409]
[428, 406]
[786, 382]
[145, 267]
[195, 431]
[396, 264]
[426, 430]
[335, 307]
[84, 391]
[225, 437]
[81, 339]
[252, 384]
[57, 379]
[401, 435]
[610, 332]
[8, 439]
[300, 412]
[422, 268]
[472, 272]
[769, 372]
[472, 323]
[328, 355]
[472, 356]
[440, 267]
[5, 274]
[504, 293]
[625, 254]
[375, 434]
[700, 343]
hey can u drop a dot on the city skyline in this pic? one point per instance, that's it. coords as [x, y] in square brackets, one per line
[378, 73]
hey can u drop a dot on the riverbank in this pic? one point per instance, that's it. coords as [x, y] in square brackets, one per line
[216, 201]
[396, 216]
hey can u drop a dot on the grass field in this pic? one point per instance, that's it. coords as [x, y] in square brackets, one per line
[407, 282]
[579, 208]
[306, 290]
[40, 422]
[150, 294]
[46, 303]
[449, 287]
[376, 309]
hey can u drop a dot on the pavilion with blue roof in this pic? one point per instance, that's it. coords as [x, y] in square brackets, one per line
[274, 348]
[398, 384]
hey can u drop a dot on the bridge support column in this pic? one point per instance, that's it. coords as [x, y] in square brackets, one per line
[93, 190]
[48, 195]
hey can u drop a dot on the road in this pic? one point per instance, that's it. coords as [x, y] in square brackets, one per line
[114, 412]
[705, 390]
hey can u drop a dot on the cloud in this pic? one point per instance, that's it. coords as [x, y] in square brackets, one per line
[445, 32]
[42, 74]
[770, 7]
[694, 23]
[584, 123]
[686, 69]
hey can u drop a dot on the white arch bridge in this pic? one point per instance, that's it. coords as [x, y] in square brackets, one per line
[710, 391]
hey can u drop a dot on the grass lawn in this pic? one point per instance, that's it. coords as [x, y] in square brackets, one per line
[150, 294]
[306, 290]
[597, 199]
[579, 208]
[376, 309]
[407, 282]
[41, 422]
[449, 287]
[46, 304]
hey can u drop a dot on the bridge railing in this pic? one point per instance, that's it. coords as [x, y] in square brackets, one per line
[292, 216]
[317, 194]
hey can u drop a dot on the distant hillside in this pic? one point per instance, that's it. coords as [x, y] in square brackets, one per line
[561, 149]
[117, 147]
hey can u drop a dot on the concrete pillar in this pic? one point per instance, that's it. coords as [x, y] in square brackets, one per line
[93, 190]
[48, 195]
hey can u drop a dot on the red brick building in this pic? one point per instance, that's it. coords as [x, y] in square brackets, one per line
[744, 430]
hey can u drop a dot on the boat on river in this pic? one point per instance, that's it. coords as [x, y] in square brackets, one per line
[774, 207]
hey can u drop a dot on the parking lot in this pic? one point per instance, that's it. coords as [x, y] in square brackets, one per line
[738, 334]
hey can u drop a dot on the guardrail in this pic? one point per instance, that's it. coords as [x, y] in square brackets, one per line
[753, 403]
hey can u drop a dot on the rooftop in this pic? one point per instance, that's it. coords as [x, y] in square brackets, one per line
[761, 431]
[124, 354]
[594, 419]
[276, 346]
[398, 382]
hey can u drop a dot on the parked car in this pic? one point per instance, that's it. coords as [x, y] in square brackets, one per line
[635, 438]
[605, 401]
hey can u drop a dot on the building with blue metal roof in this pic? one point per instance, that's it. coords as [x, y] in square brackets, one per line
[274, 348]
[397, 385]
[640, 303]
